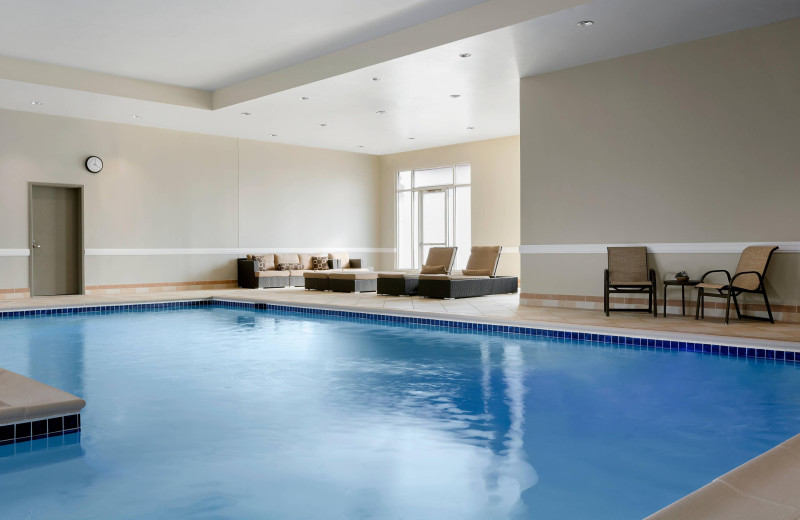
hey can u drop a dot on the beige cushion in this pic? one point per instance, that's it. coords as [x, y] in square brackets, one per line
[316, 274]
[441, 256]
[25, 399]
[287, 258]
[450, 277]
[354, 276]
[344, 257]
[484, 257]
[271, 273]
[356, 270]
[391, 275]
[300, 272]
[265, 262]
[705, 285]
[476, 272]
[433, 269]
[305, 259]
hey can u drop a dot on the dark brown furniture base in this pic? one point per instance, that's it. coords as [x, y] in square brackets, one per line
[248, 279]
[317, 284]
[406, 286]
[467, 287]
[668, 283]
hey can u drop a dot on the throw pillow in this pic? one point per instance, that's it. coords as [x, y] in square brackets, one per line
[476, 272]
[284, 266]
[433, 269]
[262, 262]
[319, 263]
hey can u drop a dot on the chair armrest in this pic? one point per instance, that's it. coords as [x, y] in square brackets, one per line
[247, 273]
[605, 277]
[653, 277]
[702, 278]
[737, 275]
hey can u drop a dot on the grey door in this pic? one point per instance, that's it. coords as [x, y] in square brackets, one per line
[56, 227]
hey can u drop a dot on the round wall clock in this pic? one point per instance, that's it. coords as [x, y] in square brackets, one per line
[94, 164]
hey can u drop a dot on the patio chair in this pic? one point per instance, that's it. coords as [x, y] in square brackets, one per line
[478, 279]
[748, 278]
[440, 260]
[628, 273]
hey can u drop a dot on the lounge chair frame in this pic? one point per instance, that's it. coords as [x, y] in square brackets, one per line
[730, 291]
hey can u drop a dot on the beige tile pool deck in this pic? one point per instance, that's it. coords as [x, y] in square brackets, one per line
[491, 309]
[764, 488]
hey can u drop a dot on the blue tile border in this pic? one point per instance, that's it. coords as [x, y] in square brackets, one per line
[26, 431]
[487, 328]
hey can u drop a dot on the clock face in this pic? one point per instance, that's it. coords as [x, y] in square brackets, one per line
[94, 164]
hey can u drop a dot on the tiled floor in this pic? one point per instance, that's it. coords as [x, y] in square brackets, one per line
[502, 308]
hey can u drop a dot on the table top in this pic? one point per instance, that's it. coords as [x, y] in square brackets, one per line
[677, 282]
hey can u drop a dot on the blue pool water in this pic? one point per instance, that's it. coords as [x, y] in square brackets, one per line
[231, 413]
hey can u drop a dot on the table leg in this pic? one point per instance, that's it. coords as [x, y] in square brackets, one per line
[683, 300]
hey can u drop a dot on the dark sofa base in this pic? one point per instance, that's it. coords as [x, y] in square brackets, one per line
[468, 288]
[337, 285]
[317, 284]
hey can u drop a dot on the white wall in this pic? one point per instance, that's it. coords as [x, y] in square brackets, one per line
[694, 143]
[495, 192]
[162, 189]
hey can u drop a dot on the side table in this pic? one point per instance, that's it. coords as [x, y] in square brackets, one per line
[682, 285]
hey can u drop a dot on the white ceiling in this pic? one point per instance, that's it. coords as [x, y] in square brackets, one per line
[414, 90]
[205, 44]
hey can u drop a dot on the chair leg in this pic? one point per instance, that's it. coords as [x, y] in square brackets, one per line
[728, 306]
[736, 306]
[605, 301]
[766, 303]
[697, 307]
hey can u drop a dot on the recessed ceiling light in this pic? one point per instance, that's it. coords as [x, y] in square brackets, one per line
[464, 55]
[36, 102]
[412, 138]
[376, 79]
[360, 146]
[137, 117]
[273, 135]
[381, 112]
[304, 98]
[455, 96]
[585, 23]
[470, 128]
[323, 124]
[246, 114]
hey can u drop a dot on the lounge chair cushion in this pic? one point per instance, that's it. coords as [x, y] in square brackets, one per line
[433, 269]
[476, 272]
[272, 273]
[484, 257]
[344, 257]
[391, 275]
[441, 256]
[450, 277]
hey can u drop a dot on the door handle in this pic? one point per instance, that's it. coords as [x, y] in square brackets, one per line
[35, 245]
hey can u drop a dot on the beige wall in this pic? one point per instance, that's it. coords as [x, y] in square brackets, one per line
[495, 192]
[691, 143]
[162, 189]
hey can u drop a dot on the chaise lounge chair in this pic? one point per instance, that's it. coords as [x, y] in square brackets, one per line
[628, 273]
[478, 279]
[749, 278]
[440, 261]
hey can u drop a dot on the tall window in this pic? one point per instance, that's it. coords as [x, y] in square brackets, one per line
[433, 209]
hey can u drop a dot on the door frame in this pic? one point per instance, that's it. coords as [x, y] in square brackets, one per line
[79, 187]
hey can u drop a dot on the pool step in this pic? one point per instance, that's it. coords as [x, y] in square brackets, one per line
[764, 488]
[33, 410]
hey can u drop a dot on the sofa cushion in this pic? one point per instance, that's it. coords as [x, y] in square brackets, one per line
[319, 263]
[305, 259]
[271, 273]
[354, 276]
[265, 262]
[287, 258]
[315, 274]
[344, 257]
